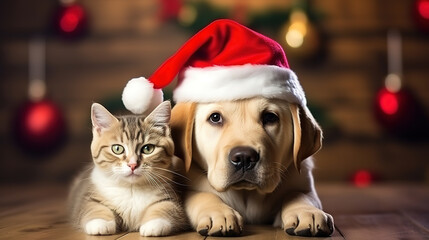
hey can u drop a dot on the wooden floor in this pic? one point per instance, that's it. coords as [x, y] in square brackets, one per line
[390, 211]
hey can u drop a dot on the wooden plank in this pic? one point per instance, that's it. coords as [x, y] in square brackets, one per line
[397, 211]
[21, 196]
[345, 154]
[41, 220]
[37, 212]
[363, 15]
[419, 218]
[340, 199]
[379, 226]
[251, 232]
[180, 236]
[256, 232]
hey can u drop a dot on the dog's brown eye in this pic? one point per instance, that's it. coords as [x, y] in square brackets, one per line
[216, 118]
[269, 118]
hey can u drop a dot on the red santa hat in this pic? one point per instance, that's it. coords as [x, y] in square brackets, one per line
[224, 61]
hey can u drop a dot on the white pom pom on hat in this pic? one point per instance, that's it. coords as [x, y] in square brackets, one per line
[140, 96]
[224, 61]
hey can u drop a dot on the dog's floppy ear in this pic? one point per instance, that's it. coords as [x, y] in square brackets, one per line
[307, 134]
[182, 126]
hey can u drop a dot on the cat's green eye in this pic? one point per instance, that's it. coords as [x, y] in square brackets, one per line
[148, 148]
[117, 149]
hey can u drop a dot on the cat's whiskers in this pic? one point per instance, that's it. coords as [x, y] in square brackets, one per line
[173, 172]
[154, 183]
[158, 184]
[171, 180]
[168, 193]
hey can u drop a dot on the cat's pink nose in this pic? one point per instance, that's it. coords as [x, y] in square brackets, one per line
[132, 166]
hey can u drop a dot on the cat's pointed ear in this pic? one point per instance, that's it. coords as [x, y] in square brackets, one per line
[161, 115]
[101, 118]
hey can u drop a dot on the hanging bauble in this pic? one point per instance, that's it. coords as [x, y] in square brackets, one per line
[38, 125]
[421, 14]
[362, 178]
[169, 9]
[399, 112]
[300, 38]
[70, 19]
[396, 108]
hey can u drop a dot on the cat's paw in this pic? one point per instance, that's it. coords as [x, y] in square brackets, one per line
[156, 227]
[100, 227]
[220, 221]
[308, 222]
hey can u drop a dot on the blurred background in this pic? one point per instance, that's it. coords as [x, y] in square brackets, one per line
[364, 66]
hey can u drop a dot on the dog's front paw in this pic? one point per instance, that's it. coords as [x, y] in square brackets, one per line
[308, 222]
[220, 221]
[155, 228]
[100, 226]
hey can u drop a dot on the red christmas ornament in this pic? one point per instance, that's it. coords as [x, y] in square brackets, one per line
[170, 9]
[39, 126]
[71, 20]
[362, 178]
[396, 108]
[398, 112]
[421, 14]
[388, 101]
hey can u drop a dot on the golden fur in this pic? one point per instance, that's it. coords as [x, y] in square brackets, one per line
[277, 187]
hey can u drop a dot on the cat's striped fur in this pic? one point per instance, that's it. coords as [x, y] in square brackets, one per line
[131, 185]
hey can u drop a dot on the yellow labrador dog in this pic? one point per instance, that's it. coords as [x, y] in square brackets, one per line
[249, 161]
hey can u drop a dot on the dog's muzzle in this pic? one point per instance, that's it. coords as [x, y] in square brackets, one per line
[243, 158]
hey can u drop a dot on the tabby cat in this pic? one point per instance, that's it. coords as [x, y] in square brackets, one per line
[131, 184]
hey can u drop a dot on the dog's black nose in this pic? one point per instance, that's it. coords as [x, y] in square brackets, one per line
[243, 158]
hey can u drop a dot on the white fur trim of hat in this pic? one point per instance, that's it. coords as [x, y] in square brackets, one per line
[221, 83]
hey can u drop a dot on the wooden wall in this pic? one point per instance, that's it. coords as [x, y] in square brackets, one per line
[127, 41]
